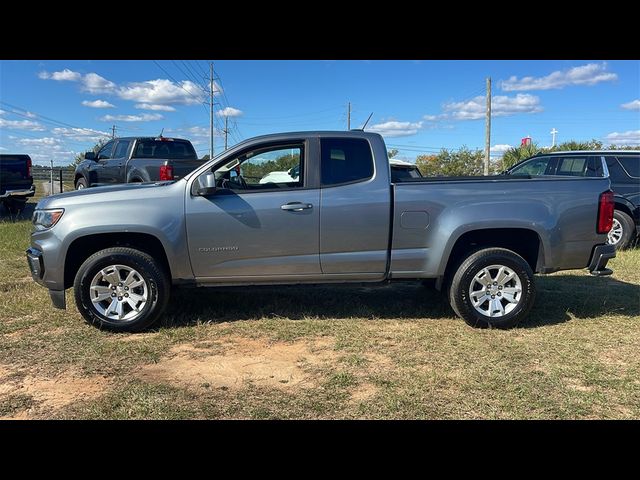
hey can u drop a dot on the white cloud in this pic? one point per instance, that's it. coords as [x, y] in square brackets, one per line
[501, 106]
[97, 104]
[145, 117]
[152, 106]
[194, 132]
[3, 149]
[64, 75]
[396, 129]
[94, 83]
[630, 137]
[229, 112]
[633, 105]
[162, 91]
[30, 114]
[45, 141]
[2, 112]
[80, 134]
[21, 125]
[589, 74]
[500, 148]
[430, 118]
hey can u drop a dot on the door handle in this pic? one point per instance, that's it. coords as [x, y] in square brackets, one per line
[296, 206]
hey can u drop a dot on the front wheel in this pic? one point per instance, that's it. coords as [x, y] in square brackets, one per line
[81, 183]
[121, 289]
[493, 287]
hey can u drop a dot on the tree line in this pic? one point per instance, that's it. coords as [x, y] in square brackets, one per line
[470, 162]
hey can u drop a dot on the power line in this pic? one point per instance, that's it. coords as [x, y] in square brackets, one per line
[180, 85]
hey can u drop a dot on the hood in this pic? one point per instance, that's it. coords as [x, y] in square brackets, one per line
[125, 191]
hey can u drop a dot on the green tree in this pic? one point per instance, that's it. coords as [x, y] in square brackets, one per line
[452, 163]
[517, 154]
[205, 157]
[592, 144]
[80, 157]
[393, 152]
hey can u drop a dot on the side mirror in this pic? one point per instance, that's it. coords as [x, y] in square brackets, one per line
[206, 184]
[89, 155]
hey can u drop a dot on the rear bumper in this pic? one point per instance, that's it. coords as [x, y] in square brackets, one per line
[599, 258]
[36, 266]
[20, 193]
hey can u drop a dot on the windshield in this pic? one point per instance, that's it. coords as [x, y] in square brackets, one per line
[164, 149]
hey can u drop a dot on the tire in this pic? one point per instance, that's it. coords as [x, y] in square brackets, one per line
[465, 281]
[151, 297]
[622, 232]
[81, 183]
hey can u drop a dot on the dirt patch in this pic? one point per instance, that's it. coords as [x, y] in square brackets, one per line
[363, 393]
[133, 337]
[49, 394]
[575, 384]
[242, 362]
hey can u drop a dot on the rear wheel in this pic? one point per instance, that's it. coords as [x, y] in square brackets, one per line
[493, 287]
[121, 289]
[81, 183]
[622, 230]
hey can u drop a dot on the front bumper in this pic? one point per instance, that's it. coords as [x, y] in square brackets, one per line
[22, 193]
[599, 258]
[36, 265]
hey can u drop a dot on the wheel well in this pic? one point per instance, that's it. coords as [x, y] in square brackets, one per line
[623, 208]
[83, 247]
[525, 243]
[78, 176]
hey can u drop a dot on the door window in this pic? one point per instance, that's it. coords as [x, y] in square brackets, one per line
[535, 166]
[345, 160]
[266, 168]
[121, 149]
[631, 164]
[572, 166]
[105, 152]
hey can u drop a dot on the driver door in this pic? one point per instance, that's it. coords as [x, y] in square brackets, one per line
[95, 168]
[263, 220]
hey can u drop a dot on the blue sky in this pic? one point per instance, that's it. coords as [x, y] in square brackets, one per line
[54, 109]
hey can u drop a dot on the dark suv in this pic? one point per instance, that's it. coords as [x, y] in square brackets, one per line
[622, 166]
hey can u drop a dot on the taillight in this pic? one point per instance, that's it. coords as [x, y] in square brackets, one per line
[605, 212]
[166, 172]
[28, 167]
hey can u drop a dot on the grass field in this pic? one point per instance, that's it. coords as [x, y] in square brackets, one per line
[323, 352]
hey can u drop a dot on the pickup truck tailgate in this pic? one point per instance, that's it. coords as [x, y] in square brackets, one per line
[184, 167]
[14, 173]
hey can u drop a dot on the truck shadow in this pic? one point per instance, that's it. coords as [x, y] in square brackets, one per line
[559, 299]
[26, 214]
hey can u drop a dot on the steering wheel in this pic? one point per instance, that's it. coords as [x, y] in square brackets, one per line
[237, 181]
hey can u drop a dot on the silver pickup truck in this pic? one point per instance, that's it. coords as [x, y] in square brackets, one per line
[338, 218]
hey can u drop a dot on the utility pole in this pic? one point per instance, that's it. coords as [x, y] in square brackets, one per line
[226, 130]
[210, 110]
[349, 117]
[487, 133]
[553, 137]
[113, 132]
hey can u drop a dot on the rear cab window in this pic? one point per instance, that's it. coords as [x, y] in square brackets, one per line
[345, 160]
[166, 148]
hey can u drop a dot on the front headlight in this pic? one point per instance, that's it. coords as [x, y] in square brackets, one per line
[43, 219]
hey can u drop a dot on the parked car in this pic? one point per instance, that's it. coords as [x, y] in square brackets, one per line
[136, 160]
[403, 170]
[622, 167]
[16, 182]
[479, 238]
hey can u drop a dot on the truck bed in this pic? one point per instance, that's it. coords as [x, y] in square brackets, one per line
[429, 212]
